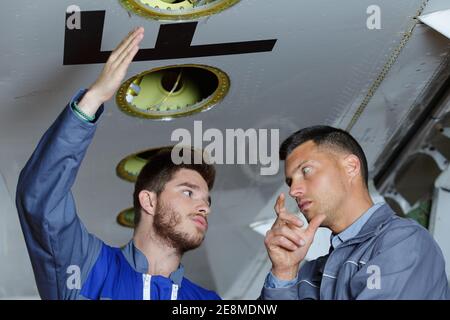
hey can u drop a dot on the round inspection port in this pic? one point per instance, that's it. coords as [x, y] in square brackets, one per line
[176, 9]
[126, 218]
[174, 91]
[129, 168]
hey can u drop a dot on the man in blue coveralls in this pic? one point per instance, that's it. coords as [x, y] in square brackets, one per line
[374, 253]
[171, 203]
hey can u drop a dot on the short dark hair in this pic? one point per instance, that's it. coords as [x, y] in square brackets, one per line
[160, 169]
[326, 136]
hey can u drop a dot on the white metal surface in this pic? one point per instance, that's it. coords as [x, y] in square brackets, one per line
[439, 21]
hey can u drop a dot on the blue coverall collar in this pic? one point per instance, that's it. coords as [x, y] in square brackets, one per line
[140, 264]
[373, 226]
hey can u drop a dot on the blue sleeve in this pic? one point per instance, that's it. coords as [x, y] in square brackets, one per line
[306, 286]
[61, 250]
[215, 296]
[276, 289]
[273, 282]
[407, 264]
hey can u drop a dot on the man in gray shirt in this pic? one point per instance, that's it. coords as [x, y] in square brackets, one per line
[374, 253]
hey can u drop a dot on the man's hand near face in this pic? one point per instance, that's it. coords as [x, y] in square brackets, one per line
[287, 242]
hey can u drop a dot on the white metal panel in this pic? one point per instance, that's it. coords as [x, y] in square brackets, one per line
[439, 21]
[396, 98]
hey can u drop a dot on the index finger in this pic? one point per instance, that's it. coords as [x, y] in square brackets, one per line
[283, 215]
[279, 204]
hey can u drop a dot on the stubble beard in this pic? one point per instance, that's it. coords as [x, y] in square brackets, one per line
[165, 224]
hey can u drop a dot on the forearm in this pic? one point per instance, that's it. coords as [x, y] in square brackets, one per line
[50, 173]
[90, 103]
[286, 274]
[276, 289]
[305, 285]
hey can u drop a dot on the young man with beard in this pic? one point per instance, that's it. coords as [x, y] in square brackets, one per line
[374, 254]
[171, 202]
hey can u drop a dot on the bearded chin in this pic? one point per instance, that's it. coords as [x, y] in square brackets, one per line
[165, 223]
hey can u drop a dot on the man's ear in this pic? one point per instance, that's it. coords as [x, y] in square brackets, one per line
[148, 200]
[352, 166]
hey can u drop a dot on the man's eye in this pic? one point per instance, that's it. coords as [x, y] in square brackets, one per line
[188, 193]
[306, 170]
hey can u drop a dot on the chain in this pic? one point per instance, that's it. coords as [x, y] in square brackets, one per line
[387, 66]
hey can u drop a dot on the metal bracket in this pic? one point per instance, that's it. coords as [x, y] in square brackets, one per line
[397, 197]
[439, 158]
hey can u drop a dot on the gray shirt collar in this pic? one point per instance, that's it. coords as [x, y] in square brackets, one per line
[354, 229]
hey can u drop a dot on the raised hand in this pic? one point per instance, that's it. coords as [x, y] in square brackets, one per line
[113, 73]
[287, 242]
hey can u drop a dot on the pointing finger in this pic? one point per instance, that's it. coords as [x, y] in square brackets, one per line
[283, 215]
[279, 204]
